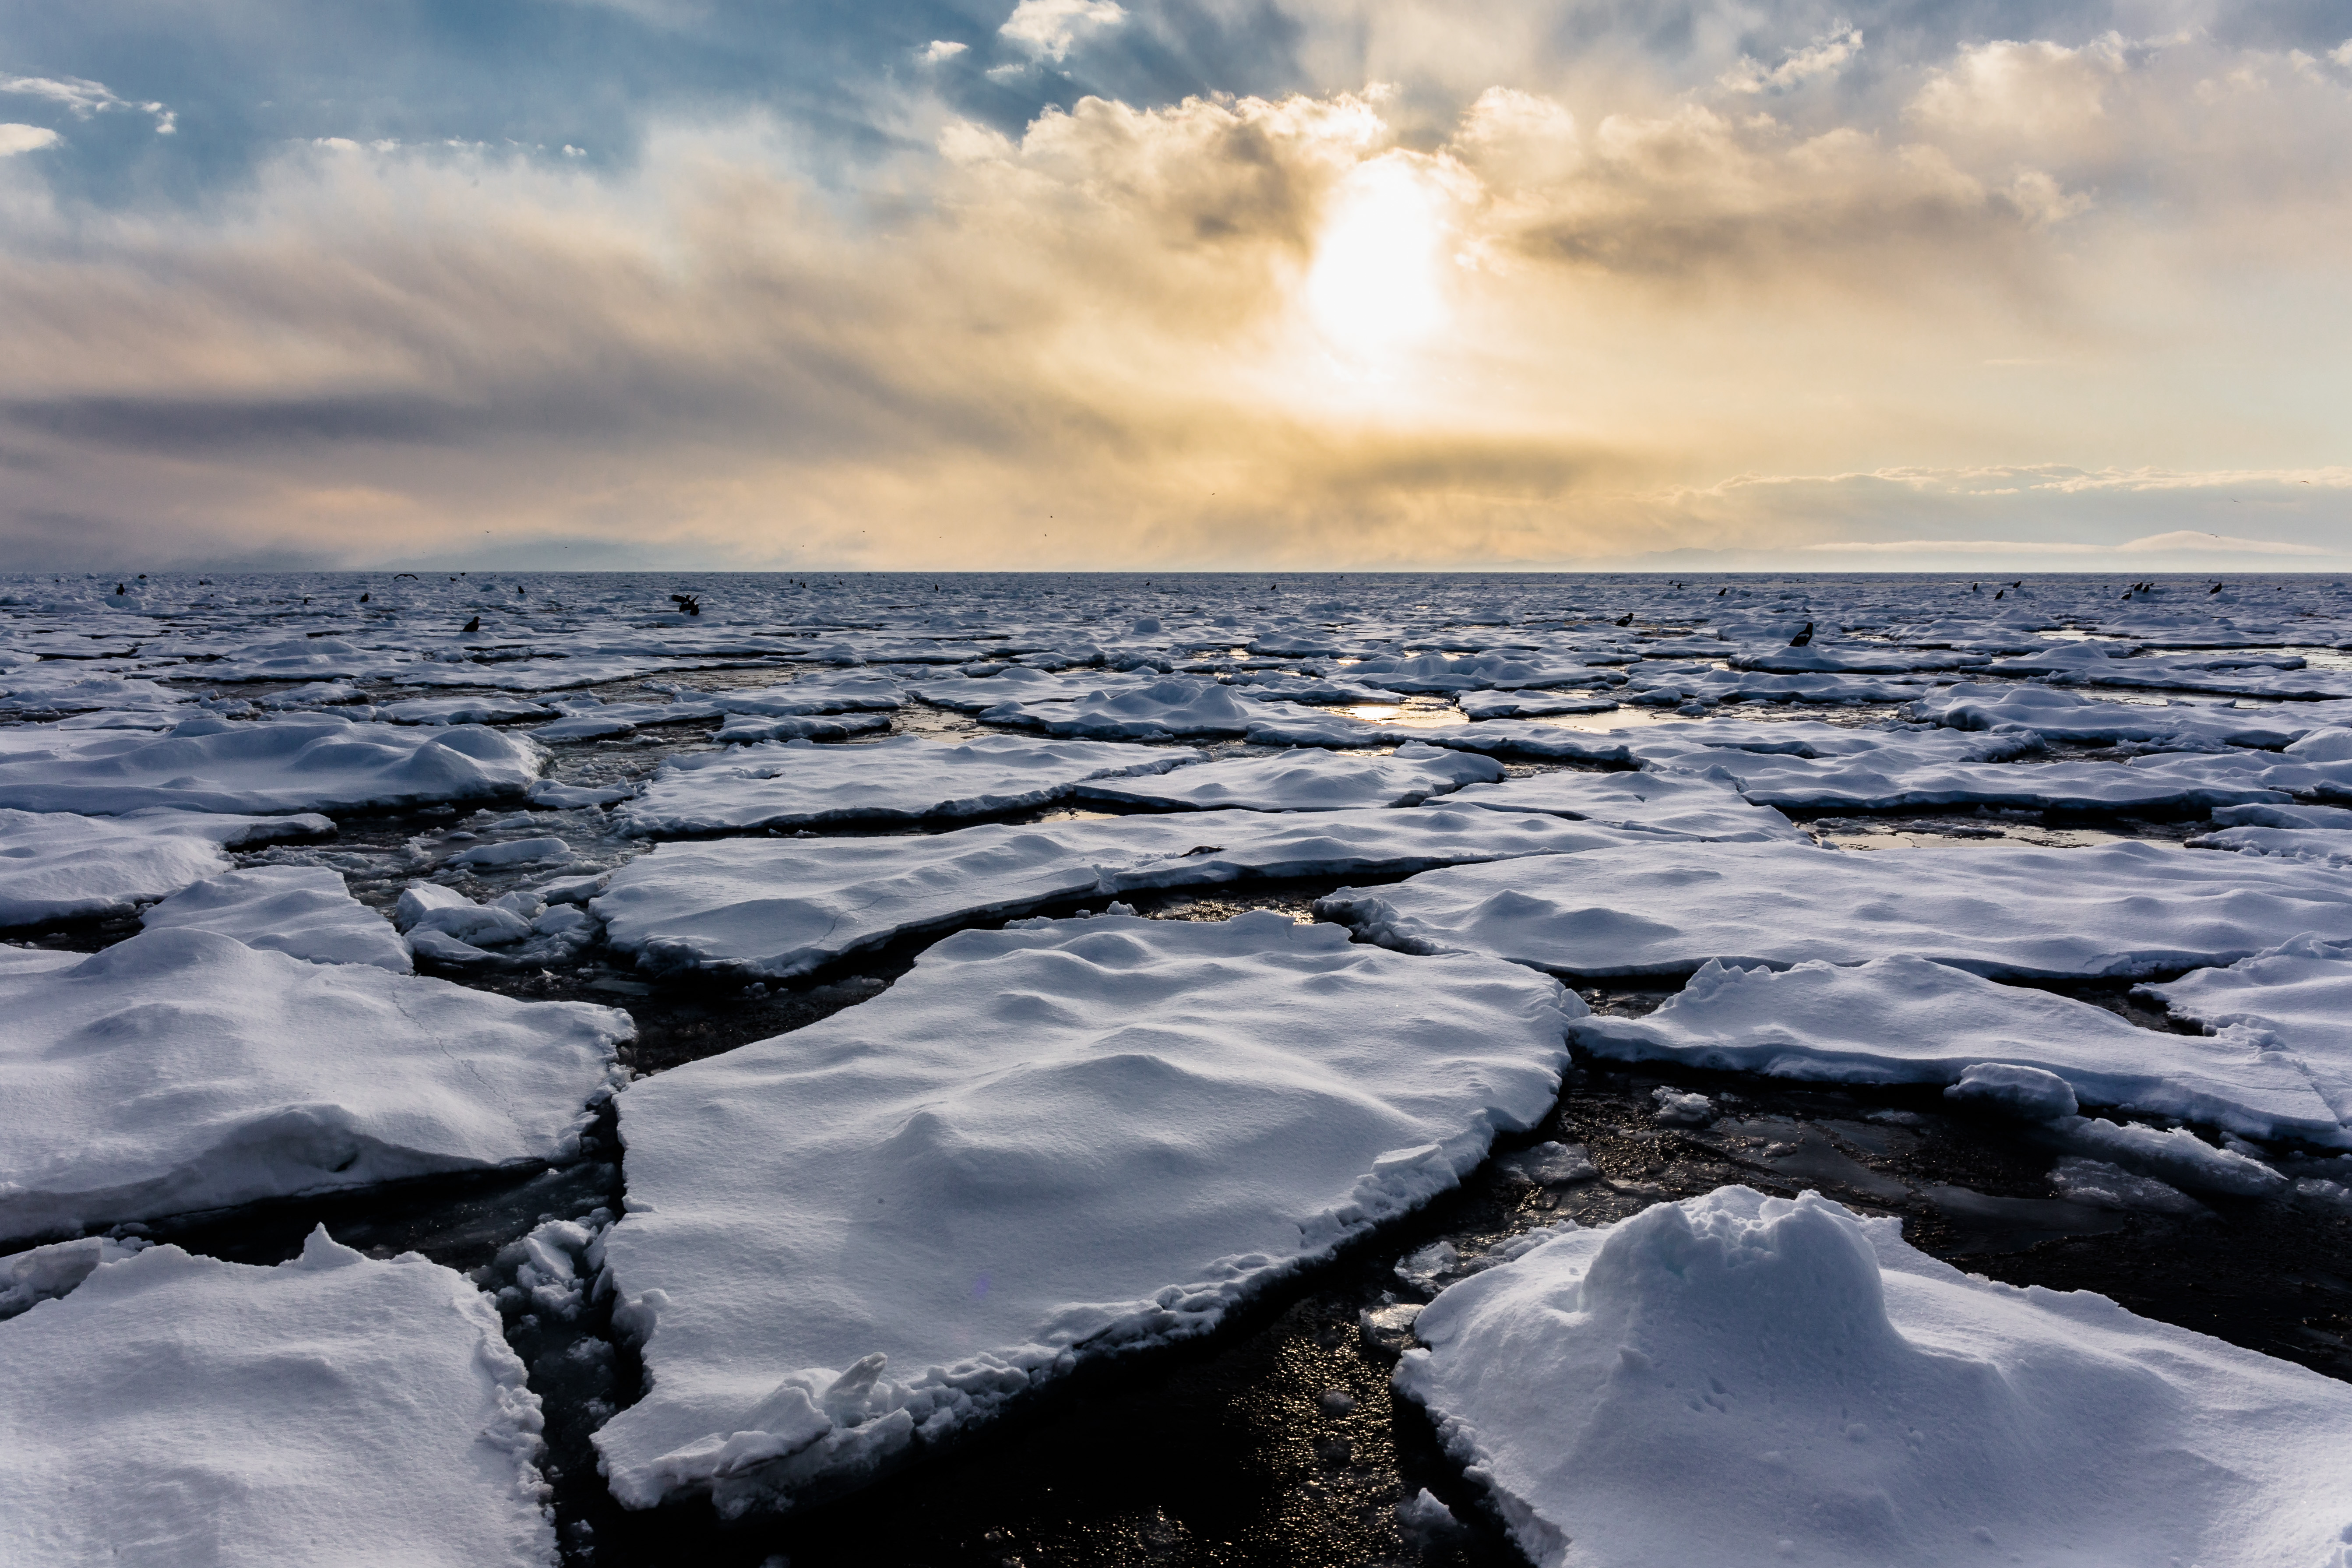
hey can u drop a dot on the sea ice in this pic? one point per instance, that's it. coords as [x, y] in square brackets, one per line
[1851, 1402]
[310, 1077]
[2296, 997]
[2059, 715]
[58, 864]
[906, 778]
[303, 911]
[2322, 846]
[2117, 909]
[1903, 1019]
[1165, 709]
[776, 907]
[1676, 803]
[1042, 1146]
[1305, 781]
[177, 1409]
[290, 762]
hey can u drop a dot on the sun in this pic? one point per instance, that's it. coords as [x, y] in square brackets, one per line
[1376, 283]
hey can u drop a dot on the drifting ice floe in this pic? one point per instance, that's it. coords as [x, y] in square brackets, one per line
[183, 1071]
[2326, 846]
[2118, 909]
[1848, 1401]
[2058, 715]
[309, 762]
[906, 778]
[58, 866]
[175, 1409]
[2296, 997]
[1675, 804]
[1166, 709]
[1041, 1146]
[1305, 781]
[781, 906]
[302, 910]
[1906, 1020]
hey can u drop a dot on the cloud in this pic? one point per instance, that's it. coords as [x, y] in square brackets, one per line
[940, 49]
[27, 139]
[2177, 541]
[1048, 29]
[82, 99]
[1825, 56]
[1086, 336]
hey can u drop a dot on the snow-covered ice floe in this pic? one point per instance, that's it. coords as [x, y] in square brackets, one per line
[2115, 909]
[303, 911]
[2059, 715]
[58, 864]
[776, 908]
[183, 1071]
[1042, 1146]
[1305, 781]
[1743, 1379]
[1678, 805]
[291, 763]
[2326, 846]
[1906, 1020]
[1164, 709]
[2295, 998]
[906, 778]
[176, 1409]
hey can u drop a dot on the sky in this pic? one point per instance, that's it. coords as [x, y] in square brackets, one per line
[1674, 285]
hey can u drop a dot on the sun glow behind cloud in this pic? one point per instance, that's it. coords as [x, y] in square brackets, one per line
[1549, 321]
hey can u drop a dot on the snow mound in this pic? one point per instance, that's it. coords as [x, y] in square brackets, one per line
[779, 907]
[310, 1077]
[58, 864]
[1852, 1403]
[2115, 910]
[304, 910]
[175, 1409]
[305, 762]
[1306, 781]
[906, 778]
[1902, 1019]
[1674, 803]
[1162, 709]
[1042, 1146]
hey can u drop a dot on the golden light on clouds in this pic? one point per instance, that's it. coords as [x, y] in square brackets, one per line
[1554, 324]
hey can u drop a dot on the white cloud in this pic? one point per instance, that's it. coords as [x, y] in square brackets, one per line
[940, 49]
[83, 98]
[27, 139]
[1049, 27]
[1825, 56]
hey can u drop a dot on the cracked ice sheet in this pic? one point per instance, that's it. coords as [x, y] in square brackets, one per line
[2059, 715]
[906, 778]
[1906, 1020]
[310, 762]
[1305, 781]
[2000, 911]
[304, 911]
[1674, 803]
[312, 1078]
[781, 906]
[1852, 1403]
[176, 1409]
[2298, 994]
[1044, 1144]
[58, 866]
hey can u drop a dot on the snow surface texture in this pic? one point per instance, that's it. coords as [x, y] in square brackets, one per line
[1851, 1402]
[2003, 911]
[2295, 999]
[1672, 803]
[778, 908]
[1305, 781]
[308, 761]
[906, 778]
[56, 865]
[175, 1409]
[1044, 1144]
[304, 910]
[1906, 1020]
[310, 1077]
